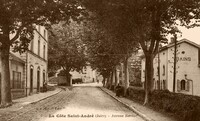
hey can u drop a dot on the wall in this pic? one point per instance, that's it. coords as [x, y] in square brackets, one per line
[188, 66]
[37, 57]
[17, 67]
[186, 69]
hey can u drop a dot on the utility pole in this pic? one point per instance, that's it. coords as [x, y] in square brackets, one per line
[175, 60]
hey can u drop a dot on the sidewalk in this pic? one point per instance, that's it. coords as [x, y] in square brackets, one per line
[145, 112]
[21, 102]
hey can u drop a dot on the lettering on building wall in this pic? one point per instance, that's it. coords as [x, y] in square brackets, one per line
[183, 58]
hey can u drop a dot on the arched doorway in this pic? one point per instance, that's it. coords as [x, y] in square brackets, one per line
[183, 85]
[44, 80]
[31, 79]
[38, 79]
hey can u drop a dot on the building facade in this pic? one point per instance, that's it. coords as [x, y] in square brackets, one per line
[28, 71]
[36, 61]
[87, 74]
[187, 68]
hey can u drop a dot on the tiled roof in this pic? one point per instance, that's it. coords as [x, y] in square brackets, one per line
[15, 58]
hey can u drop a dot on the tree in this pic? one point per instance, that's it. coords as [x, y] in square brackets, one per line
[113, 33]
[147, 22]
[66, 50]
[18, 18]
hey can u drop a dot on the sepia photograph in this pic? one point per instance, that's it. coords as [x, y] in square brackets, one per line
[99, 60]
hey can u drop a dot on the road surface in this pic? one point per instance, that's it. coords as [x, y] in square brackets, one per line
[81, 103]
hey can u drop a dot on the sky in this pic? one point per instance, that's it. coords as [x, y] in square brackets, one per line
[192, 34]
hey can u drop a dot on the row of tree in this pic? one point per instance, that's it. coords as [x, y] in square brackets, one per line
[122, 25]
[114, 29]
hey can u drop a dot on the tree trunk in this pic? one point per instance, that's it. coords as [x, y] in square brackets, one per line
[107, 82]
[116, 78]
[111, 80]
[149, 77]
[122, 74]
[5, 73]
[69, 80]
[104, 81]
[126, 74]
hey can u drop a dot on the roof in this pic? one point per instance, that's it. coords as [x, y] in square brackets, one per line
[179, 42]
[15, 58]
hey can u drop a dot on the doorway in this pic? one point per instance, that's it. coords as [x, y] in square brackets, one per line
[31, 79]
[38, 79]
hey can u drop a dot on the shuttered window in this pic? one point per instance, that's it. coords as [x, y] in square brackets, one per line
[188, 86]
[183, 85]
[17, 83]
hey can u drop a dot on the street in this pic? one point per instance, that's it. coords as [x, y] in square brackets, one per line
[81, 103]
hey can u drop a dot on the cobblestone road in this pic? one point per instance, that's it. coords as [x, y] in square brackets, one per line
[80, 104]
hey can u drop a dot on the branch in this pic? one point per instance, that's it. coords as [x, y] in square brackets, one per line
[144, 48]
[156, 48]
[17, 33]
[24, 25]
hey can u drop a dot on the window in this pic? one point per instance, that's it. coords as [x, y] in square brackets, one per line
[44, 33]
[183, 84]
[44, 50]
[32, 45]
[163, 70]
[39, 40]
[39, 47]
[17, 83]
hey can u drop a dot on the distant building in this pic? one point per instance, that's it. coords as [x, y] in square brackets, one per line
[28, 71]
[87, 74]
[187, 68]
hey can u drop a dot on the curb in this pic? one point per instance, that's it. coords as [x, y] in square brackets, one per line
[129, 106]
[46, 97]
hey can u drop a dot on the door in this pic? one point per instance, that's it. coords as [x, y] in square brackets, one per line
[31, 80]
[38, 80]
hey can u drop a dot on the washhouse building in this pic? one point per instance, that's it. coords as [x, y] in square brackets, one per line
[187, 78]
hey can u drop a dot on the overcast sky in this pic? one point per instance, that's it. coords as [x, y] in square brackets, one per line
[191, 34]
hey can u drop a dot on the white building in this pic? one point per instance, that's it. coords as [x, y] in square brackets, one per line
[87, 74]
[187, 68]
[36, 61]
[28, 71]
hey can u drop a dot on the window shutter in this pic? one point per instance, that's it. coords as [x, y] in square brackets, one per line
[178, 85]
[188, 86]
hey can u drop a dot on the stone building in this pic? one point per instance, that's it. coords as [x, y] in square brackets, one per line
[36, 61]
[28, 71]
[187, 68]
[87, 74]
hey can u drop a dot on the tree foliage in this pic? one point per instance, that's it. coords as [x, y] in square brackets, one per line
[17, 23]
[146, 22]
[66, 49]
